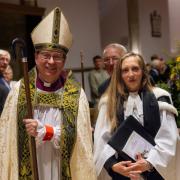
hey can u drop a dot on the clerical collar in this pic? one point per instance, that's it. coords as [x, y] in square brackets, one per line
[50, 87]
[47, 84]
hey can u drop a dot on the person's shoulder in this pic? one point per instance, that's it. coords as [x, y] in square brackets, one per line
[104, 72]
[158, 92]
[82, 94]
[102, 88]
[15, 87]
[103, 101]
[3, 89]
[164, 100]
[2, 86]
[92, 72]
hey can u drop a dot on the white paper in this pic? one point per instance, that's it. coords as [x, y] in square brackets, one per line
[137, 144]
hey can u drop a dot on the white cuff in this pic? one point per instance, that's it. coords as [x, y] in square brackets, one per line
[56, 137]
[41, 130]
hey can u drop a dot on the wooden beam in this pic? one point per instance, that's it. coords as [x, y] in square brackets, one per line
[21, 9]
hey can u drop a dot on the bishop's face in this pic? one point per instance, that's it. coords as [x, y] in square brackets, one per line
[131, 74]
[50, 65]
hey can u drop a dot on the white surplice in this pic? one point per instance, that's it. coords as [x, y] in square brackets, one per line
[163, 156]
[48, 152]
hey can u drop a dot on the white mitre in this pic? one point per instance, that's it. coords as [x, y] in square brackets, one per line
[52, 33]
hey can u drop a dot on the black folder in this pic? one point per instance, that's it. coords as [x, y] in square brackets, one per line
[123, 132]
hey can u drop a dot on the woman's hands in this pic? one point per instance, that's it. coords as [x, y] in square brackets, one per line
[141, 164]
[126, 168]
[132, 170]
[31, 126]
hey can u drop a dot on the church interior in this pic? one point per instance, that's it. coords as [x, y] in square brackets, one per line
[146, 27]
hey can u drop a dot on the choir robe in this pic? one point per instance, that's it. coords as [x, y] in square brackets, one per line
[165, 156]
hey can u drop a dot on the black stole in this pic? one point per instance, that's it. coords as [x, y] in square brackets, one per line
[151, 121]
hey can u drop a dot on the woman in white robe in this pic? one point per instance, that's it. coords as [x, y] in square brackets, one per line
[129, 78]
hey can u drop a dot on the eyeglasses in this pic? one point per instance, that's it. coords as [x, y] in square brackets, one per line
[108, 59]
[58, 57]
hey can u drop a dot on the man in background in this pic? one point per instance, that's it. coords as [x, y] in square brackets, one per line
[96, 77]
[8, 76]
[111, 54]
[165, 71]
[156, 67]
[4, 87]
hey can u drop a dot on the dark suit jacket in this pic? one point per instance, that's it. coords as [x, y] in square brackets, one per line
[102, 88]
[3, 94]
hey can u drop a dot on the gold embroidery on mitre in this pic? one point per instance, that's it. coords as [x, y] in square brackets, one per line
[52, 33]
[56, 26]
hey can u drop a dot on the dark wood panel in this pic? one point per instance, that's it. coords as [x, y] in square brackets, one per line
[21, 9]
[19, 21]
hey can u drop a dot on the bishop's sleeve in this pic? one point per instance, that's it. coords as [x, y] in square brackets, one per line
[82, 166]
